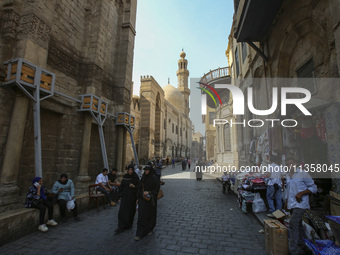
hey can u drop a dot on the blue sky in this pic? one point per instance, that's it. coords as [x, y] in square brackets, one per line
[164, 27]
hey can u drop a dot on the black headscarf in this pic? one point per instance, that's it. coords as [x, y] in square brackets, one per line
[61, 176]
[148, 180]
[149, 167]
[134, 179]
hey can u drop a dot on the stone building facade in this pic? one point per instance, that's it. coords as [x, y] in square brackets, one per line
[164, 128]
[289, 39]
[197, 151]
[221, 139]
[89, 46]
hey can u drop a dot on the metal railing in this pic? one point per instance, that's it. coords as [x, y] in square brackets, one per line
[215, 74]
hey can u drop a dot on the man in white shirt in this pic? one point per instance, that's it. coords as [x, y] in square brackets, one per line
[103, 180]
[274, 186]
[300, 186]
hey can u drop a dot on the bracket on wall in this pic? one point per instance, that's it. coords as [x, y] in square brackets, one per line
[37, 84]
[258, 50]
[128, 121]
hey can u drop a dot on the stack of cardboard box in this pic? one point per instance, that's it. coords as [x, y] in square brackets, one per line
[276, 235]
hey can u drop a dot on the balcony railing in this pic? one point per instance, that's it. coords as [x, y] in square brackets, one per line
[215, 74]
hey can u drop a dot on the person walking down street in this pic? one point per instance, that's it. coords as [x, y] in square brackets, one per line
[189, 163]
[184, 164]
[173, 163]
[198, 170]
[147, 204]
[274, 186]
[103, 180]
[37, 198]
[167, 161]
[127, 209]
[64, 189]
[158, 169]
[300, 186]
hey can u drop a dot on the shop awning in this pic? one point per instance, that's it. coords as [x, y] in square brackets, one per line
[253, 19]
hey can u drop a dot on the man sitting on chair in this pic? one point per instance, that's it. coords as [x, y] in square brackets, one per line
[103, 180]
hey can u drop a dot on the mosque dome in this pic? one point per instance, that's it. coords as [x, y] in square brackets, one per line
[174, 97]
[182, 55]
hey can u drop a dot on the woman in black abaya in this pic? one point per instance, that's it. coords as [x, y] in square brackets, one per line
[127, 210]
[147, 210]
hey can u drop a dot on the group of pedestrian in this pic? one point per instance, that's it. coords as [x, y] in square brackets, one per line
[142, 193]
[38, 197]
[134, 191]
[186, 162]
[299, 185]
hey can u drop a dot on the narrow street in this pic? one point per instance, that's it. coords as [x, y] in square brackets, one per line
[193, 218]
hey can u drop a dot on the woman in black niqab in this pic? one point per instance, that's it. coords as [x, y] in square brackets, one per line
[127, 210]
[147, 210]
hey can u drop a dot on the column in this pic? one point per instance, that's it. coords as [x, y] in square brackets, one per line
[83, 178]
[120, 148]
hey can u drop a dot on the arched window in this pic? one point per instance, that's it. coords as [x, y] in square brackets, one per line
[227, 138]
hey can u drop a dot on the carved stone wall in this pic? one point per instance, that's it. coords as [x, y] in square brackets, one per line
[89, 46]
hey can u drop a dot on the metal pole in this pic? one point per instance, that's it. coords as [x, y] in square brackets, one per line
[134, 148]
[102, 144]
[37, 128]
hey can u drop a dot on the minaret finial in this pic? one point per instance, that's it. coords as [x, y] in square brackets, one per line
[168, 80]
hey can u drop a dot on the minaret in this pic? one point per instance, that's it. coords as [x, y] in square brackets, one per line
[182, 81]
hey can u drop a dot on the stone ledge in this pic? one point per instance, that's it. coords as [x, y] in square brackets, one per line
[17, 223]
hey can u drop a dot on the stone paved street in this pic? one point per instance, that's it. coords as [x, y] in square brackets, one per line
[193, 218]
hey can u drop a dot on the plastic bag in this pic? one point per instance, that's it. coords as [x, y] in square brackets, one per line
[322, 247]
[258, 204]
[309, 231]
[70, 205]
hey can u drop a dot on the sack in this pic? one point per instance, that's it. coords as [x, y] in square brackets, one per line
[258, 204]
[70, 205]
[160, 194]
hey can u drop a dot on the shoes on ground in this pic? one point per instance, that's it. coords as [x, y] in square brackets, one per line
[137, 238]
[43, 228]
[52, 222]
[112, 203]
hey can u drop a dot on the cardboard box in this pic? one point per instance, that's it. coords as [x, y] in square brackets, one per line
[279, 214]
[276, 237]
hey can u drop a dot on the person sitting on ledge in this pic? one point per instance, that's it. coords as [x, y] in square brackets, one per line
[37, 198]
[64, 189]
[103, 180]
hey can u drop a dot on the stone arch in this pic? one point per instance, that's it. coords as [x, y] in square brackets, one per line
[314, 43]
[227, 137]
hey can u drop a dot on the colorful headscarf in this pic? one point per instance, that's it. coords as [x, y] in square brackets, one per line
[42, 193]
